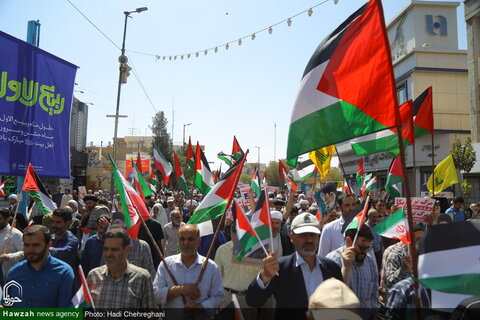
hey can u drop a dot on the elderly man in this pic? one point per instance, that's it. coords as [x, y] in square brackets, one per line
[170, 233]
[191, 206]
[203, 298]
[292, 279]
[21, 222]
[118, 283]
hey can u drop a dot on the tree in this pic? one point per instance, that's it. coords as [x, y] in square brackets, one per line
[273, 175]
[463, 155]
[245, 178]
[334, 175]
[464, 158]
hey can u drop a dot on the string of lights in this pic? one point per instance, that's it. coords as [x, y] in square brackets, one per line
[226, 45]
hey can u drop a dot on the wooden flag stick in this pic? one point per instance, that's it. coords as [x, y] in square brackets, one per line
[413, 251]
[343, 169]
[159, 252]
[205, 262]
[433, 167]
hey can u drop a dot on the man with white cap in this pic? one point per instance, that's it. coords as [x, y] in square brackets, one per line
[170, 207]
[20, 222]
[191, 205]
[292, 279]
[304, 205]
[281, 242]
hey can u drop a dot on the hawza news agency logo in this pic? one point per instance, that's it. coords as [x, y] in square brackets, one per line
[12, 293]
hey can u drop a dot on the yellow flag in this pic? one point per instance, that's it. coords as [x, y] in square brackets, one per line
[322, 158]
[445, 175]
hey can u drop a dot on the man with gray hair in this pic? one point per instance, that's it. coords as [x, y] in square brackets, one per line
[118, 283]
[170, 233]
[203, 298]
[292, 279]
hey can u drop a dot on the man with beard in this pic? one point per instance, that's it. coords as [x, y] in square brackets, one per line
[203, 298]
[11, 239]
[374, 217]
[359, 269]
[92, 253]
[118, 283]
[90, 202]
[292, 279]
[281, 242]
[46, 281]
[65, 244]
[170, 232]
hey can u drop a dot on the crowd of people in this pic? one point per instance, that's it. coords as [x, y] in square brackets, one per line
[314, 263]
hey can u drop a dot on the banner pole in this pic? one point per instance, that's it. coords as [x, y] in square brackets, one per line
[343, 169]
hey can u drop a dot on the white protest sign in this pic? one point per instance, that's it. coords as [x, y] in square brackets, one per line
[421, 207]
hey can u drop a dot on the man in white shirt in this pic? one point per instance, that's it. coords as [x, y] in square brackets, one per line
[13, 239]
[203, 298]
[332, 237]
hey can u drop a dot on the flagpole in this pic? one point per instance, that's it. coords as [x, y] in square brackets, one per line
[272, 249]
[414, 170]
[413, 251]
[433, 166]
[159, 252]
[83, 280]
[360, 223]
[205, 262]
[343, 169]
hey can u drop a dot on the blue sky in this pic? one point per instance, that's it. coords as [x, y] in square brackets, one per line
[241, 91]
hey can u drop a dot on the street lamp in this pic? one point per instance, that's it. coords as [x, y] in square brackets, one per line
[123, 68]
[258, 162]
[185, 125]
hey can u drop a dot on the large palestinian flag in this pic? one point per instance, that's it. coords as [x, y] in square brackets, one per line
[448, 258]
[203, 174]
[36, 190]
[423, 113]
[218, 199]
[387, 140]
[348, 87]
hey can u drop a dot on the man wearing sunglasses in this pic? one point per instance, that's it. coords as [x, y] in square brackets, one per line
[359, 270]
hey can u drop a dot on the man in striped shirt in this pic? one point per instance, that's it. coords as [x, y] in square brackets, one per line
[118, 283]
[359, 270]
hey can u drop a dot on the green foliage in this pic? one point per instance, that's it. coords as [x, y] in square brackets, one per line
[245, 178]
[463, 155]
[273, 175]
[334, 175]
[467, 188]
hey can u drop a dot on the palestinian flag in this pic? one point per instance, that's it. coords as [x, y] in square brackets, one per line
[261, 221]
[360, 173]
[140, 183]
[395, 176]
[218, 199]
[387, 140]
[246, 234]
[284, 178]
[359, 219]
[203, 174]
[129, 199]
[448, 258]
[237, 151]
[307, 172]
[2, 186]
[154, 184]
[225, 158]
[423, 113]
[348, 88]
[162, 164]
[36, 190]
[263, 181]
[182, 183]
[394, 226]
[83, 298]
[370, 184]
[190, 159]
[255, 182]
[217, 174]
